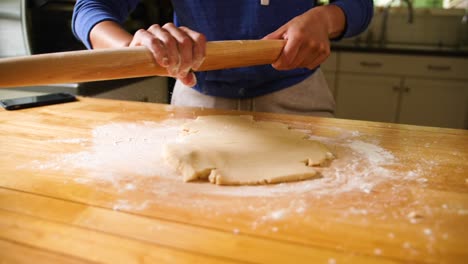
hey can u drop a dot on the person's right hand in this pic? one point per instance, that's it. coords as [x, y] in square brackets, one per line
[179, 49]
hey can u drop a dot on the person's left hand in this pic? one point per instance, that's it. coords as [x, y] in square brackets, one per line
[307, 41]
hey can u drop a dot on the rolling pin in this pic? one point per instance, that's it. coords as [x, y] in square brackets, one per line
[108, 64]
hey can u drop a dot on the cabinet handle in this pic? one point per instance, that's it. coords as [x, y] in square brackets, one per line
[371, 64]
[439, 67]
[396, 88]
[406, 89]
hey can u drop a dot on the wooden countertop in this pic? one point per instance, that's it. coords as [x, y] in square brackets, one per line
[395, 194]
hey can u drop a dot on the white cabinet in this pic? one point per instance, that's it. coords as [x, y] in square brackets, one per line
[152, 89]
[418, 90]
[438, 103]
[365, 97]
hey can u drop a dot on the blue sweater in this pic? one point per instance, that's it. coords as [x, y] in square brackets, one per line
[225, 20]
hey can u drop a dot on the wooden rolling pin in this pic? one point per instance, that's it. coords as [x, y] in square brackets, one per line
[108, 64]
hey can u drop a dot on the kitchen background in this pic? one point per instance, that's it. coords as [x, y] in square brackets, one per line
[409, 67]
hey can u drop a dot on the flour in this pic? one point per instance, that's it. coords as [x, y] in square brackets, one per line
[462, 212]
[119, 150]
[377, 251]
[125, 160]
[427, 231]
[407, 245]
[127, 156]
[125, 205]
[123, 153]
[276, 215]
[122, 150]
[356, 211]
[375, 155]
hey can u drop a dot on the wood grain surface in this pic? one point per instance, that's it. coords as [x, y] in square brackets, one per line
[52, 212]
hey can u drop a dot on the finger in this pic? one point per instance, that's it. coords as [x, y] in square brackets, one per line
[199, 46]
[288, 54]
[308, 52]
[320, 56]
[170, 46]
[145, 38]
[189, 80]
[184, 46]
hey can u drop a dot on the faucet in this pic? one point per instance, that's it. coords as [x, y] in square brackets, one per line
[385, 13]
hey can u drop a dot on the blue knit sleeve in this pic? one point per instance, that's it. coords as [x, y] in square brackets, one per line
[358, 15]
[88, 13]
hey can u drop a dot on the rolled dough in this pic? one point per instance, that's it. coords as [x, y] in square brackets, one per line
[236, 150]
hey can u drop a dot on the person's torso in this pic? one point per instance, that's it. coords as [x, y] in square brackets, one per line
[240, 20]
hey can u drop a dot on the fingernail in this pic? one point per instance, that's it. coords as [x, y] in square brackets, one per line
[194, 79]
[190, 80]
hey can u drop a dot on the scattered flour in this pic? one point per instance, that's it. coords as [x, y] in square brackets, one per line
[462, 211]
[121, 150]
[374, 154]
[300, 210]
[125, 205]
[130, 187]
[427, 231]
[407, 245]
[355, 211]
[119, 153]
[128, 156]
[82, 180]
[276, 215]
[378, 251]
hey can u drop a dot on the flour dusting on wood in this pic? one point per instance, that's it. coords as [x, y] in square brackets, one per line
[118, 151]
[127, 157]
[124, 154]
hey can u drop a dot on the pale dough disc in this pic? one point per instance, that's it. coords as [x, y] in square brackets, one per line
[236, 150]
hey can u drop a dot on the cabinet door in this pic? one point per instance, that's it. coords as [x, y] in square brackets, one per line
[367, 97]
[440, 103]
[153, 89]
